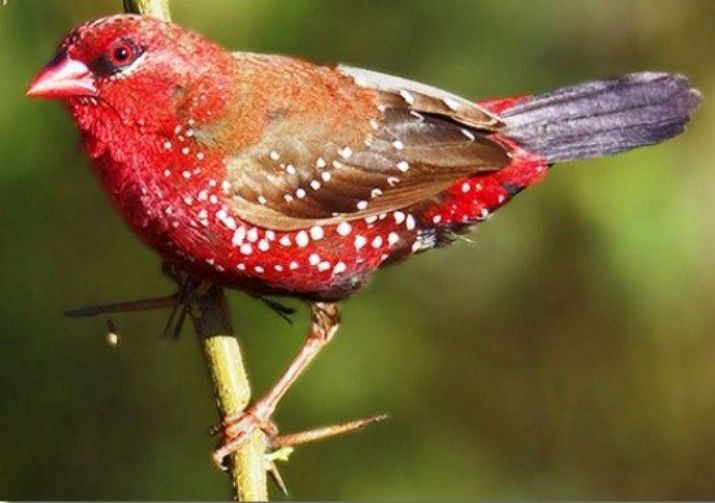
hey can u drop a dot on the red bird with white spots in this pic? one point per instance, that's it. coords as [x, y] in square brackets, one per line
[276, 176]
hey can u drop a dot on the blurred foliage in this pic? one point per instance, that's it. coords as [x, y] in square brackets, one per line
[567, 354]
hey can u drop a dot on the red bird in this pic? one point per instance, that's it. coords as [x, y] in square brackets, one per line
[276, 176]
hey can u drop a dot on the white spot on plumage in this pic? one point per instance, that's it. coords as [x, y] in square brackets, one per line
[188, 200]
[374, 124]
[300, 193]
[314, 259]
[399, 217]
[344, 229]
[186, 150]
[317, 233]
[377, 242]
[466, 187]
[315, 185]
[293, 265]
[262, 200]
[375, 193]
[437, 219]
[246, 249]
[410, 224]
[167, 145]
[186, 174]
[326, 176]
[345, 153]
[362, 205]
[252, 235]
[371, 219]
[167, 172]
[226, 186]
[230, 222]
[239, 236]
[285, 241]
[393, 238]
[264, 245]
[403, 166]
[275, 155]
[288, 198]
[320, 163]
[259, 269]
[339, 268]
[290, 169]
[324, 266]
[393, 180]
[398, 145]
[302, 239]
[360, 242]
[502, 199]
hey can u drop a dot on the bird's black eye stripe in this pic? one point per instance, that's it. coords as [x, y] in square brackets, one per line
[121, 54]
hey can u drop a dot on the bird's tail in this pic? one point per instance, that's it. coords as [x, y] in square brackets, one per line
[602, 117]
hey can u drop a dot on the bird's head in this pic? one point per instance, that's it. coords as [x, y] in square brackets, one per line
[132, 68]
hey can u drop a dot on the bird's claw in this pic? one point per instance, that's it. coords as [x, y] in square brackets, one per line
[237, 430]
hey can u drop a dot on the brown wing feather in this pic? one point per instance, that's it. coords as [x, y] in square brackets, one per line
[418, 143]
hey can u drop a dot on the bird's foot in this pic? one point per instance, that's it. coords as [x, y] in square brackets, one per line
[238, 429]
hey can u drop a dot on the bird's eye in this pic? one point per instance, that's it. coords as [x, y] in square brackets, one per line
[120, 55]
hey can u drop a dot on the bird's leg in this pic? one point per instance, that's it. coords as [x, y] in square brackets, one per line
[325, 319]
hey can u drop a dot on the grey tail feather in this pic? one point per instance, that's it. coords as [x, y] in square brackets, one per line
[603, 117]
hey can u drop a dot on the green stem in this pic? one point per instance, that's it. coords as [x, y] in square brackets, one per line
[155, 8]
[223, 353]
[232, 390]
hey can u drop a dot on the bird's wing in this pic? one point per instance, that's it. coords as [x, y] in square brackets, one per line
[417, 141]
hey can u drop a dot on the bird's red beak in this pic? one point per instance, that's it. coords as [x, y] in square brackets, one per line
[64, 77]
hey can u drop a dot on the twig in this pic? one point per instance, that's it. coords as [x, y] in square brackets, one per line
[232, 390]
[155, 8]
[223, 354]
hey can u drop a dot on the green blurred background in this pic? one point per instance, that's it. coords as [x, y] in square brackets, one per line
[568, 353]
